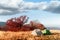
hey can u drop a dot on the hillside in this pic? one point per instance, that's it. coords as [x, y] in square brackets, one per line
[8, 35]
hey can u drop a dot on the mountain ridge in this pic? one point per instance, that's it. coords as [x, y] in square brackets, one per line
[2, 23]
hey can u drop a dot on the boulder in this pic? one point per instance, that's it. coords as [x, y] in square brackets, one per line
[36, 32]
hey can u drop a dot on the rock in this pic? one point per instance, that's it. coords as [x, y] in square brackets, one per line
[36, 32]
[46, 32]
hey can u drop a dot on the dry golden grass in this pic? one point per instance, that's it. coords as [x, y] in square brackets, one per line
[7, 35]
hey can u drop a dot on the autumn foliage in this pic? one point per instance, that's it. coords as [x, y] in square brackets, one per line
[18, 24]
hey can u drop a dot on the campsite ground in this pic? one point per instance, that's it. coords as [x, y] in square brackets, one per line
[8, 35]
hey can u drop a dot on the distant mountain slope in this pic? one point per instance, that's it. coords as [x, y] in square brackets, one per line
[2, 23]
[53, 28]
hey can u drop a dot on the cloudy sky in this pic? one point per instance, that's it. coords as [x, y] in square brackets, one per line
[45, 11]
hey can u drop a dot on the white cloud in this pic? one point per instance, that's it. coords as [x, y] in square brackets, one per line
[8, 7]
[34, 6]
[53, 6]
[10, 3]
